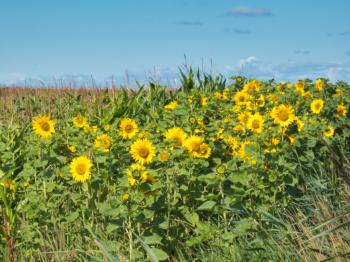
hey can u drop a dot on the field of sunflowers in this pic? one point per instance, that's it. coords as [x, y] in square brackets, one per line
[216, 170]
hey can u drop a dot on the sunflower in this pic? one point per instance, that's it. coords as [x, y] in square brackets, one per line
[341, 110]
[203, 152]
[244, 117]
[197, 148]
[256, 123]
[80, 168]
[300, 124]
[9, 184]
[164, 155]
[171, 106]
[241, 98]
[193, 143]
[316, 106]
[299, 87]
[80, 121]
[203, 100]
[176, 135]
[72, 149]
[43, 126]
[261, 101]
[319, 84]
[103, 142]
[233, 143]
[142, 151]
[328, 132]
[128, 128]
[283, 115]
[220, 170]
[252, 86]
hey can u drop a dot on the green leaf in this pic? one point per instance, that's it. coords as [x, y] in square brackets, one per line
[161, 255]
[208, 205]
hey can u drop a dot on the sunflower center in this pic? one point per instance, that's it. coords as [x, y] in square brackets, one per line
[203, 150]
[317, 106]
[129, 128]
[45, 126]
[241, 98]
[283, 115]
[143, 152]
[196, 146]
[177, 140]
[255, 123]
[81, 169]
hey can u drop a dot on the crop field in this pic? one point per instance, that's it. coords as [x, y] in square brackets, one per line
[216, 170]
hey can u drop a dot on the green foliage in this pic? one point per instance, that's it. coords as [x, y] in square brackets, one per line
[277, 195]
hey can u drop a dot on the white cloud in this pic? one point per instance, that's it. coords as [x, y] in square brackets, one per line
[246, 61]
[248, 11]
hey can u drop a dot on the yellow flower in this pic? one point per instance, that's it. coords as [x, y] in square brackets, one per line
[103, 142]
[197, 148]
[220, 170]
[252, 86]
[43, 126]
[300, 124]
[128, 128]
[319, 84]
[241, 98]
[273, 98]
[80, 168]
[204, 151]
[72, 149]
[299, 87]
[125, 196]
[341, 110]
[193, 143]
[171, 106]
[107, 127]
[233, 143]
[93, 129]
[244, 117]
[132, 181]
[142, 151]
[256, 123]
[176, 135]
[80, 121]
[164, 155]
[192, 120]
[316, 106]
[283, 115]
[143, 134]
[291, 139]
[328, 132]
[239, 128]
[217, 95]
[261, 101]
[9, 184]
[275, 141]
[25, 183]
[203, 101]
[306, 94]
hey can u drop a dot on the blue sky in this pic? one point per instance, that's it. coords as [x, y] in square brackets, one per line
[68, 40]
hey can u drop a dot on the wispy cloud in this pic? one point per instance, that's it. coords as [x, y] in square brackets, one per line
[248, 11]
[238, 31]
[343, 33]
[302, 52]
[289, 71]
[189, 23]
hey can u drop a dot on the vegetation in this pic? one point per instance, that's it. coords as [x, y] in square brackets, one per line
[216, 170]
